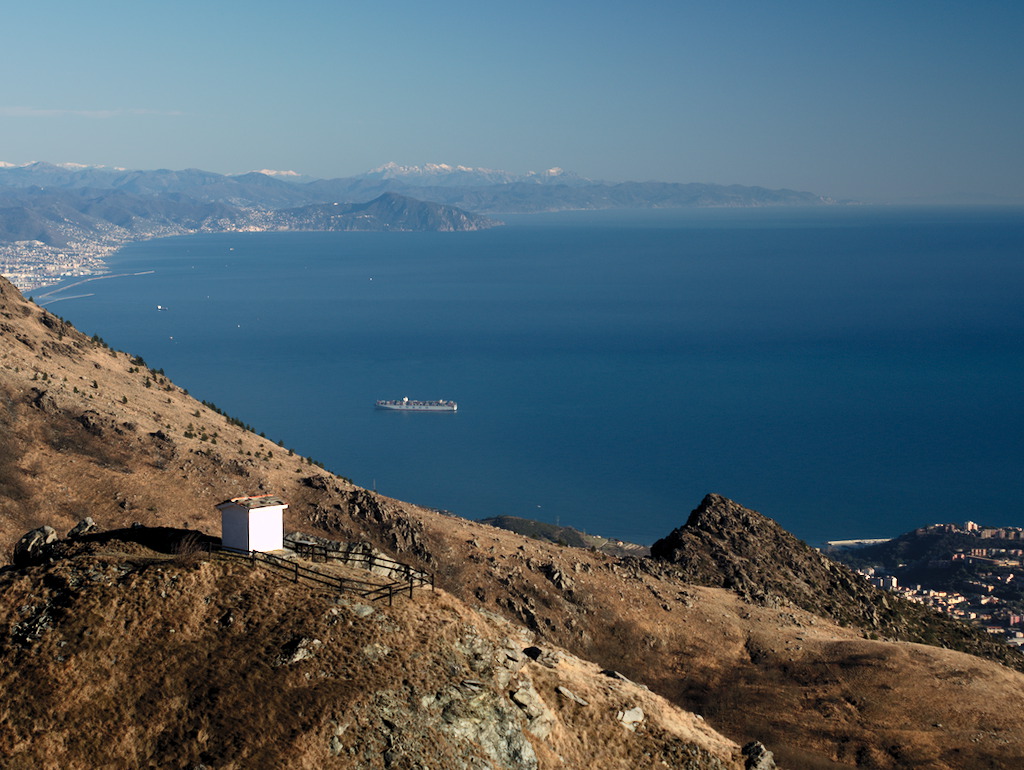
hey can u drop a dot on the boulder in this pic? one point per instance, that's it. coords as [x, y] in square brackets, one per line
[612, 674]
[298, 649]
[540, 718]
[570, 695]
[757, 757]
[547, 658]
[85, 527]
[630, 718]
[33, 547]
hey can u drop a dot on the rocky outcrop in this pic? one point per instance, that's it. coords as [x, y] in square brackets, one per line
[34, 546]
[85, 527]
[541, 719]
[726, 545]
[359, 510]
[757, 757]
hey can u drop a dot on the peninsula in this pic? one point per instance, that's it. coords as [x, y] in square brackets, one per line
[61, 221]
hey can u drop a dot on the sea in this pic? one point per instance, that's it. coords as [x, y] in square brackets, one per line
[850, 371]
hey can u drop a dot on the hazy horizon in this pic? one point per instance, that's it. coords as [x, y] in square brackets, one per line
[869, 101]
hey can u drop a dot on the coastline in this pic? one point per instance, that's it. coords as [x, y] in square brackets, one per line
[59, 289]
[348, 340]
[32, 265]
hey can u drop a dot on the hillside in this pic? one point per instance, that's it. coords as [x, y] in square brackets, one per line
[154, 659]
[90, 431]
[476, 190]
[529, 197]
[724, 544]
[79, 215]
[388, 211]
[551, 533]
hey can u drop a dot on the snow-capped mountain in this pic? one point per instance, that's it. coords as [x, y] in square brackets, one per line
[448, 175]
[278, 174]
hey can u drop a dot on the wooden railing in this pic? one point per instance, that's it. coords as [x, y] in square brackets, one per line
[362, 560]
[367, 589]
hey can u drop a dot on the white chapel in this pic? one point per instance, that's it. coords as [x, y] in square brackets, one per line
[252, 523]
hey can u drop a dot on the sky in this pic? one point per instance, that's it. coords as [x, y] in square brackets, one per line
[874, 101]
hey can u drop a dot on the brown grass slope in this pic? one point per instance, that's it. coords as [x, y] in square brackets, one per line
[83, 435]
[724, 544]
[116, 655]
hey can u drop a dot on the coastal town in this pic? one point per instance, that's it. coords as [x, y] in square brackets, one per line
[972, 573]
[31, 265]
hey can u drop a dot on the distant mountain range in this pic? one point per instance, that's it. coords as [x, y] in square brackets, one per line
[57, 204]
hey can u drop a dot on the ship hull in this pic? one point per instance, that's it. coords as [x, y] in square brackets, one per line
[406, 405]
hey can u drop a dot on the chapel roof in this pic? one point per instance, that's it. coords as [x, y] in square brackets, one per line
[254, 501]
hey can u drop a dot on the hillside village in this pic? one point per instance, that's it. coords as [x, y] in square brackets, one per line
[977, 579]
[733, 645]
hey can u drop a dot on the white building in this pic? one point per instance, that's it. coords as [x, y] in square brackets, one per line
[252, 523]
[886, 582]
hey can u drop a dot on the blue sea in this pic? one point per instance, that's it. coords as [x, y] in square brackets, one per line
[848, 371]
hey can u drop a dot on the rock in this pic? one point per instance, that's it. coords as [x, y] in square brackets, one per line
[85, 527]
[486, 720]
[335, 746]
[508, 661]
[546, 658]
[42, 400]
[92, 422]
[616, 675]
[757, 757]
[362, 610]
[557, 577]
[321, 483]
[33, 547]
[570, 695]
[541, 719]
[630, 718]
[509, 657]
[375, 651]
[299, 649]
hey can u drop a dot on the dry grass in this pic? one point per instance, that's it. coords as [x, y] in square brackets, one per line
[151, 662]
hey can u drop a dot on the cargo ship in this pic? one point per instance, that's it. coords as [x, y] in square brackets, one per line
[405, 405]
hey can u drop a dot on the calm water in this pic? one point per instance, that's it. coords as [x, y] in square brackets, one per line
[850, 372]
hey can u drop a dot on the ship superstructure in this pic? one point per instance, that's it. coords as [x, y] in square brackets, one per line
[408, 405]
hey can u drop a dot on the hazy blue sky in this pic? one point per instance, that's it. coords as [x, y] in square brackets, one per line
[871, 100]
